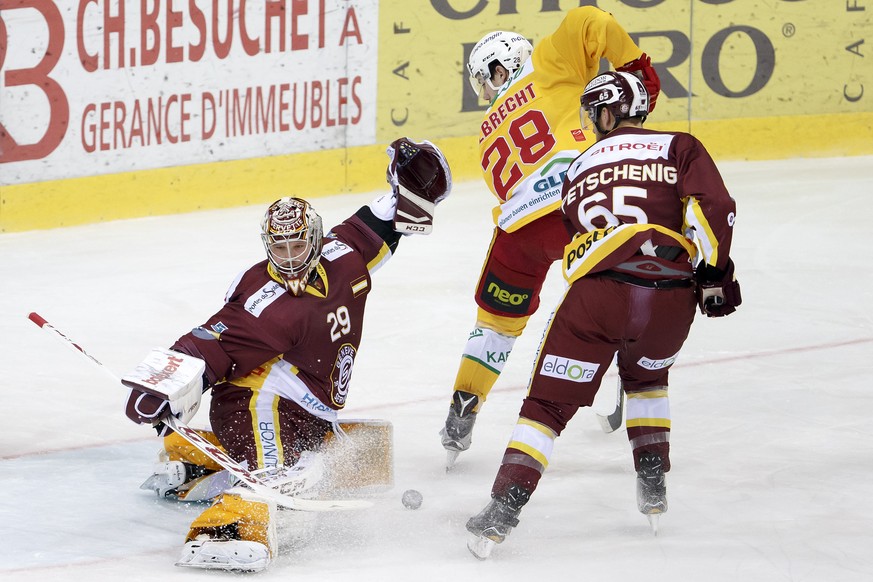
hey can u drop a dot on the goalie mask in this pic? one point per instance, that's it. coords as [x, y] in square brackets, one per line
[292, 235]
[509, 49]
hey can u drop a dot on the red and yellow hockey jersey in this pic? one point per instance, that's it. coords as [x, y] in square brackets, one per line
[531, 131]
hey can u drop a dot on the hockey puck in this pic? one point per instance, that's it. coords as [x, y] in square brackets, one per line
[411, 499]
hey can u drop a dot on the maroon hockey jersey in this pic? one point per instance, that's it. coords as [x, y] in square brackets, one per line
[300, 348]
[644, 203]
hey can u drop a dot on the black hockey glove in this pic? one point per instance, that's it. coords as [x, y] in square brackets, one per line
[718, 293]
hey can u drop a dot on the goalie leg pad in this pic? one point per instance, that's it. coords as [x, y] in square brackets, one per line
[302, 477]
[229, 555]
[363, 462]
[238, 532]
[177, 448]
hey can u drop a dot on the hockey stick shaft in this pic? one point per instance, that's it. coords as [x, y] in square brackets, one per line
[203, 445]
[56, 333]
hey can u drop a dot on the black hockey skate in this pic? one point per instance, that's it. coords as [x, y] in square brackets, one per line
[491, 525]
[457, 434]
[651, 488]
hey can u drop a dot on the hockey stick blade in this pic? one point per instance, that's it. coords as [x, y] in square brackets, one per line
[611, 422]
[209, 449]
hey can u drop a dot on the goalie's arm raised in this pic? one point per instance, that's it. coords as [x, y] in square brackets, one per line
[420, 179]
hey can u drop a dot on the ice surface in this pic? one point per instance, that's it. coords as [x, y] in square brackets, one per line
[772, 439]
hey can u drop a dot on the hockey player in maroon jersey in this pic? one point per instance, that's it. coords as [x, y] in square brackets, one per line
[528, 136]
[642, 203]
[278, 356]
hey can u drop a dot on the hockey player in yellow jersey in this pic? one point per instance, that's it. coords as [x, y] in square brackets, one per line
[529, 135]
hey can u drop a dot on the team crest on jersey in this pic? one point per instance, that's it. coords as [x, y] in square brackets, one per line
[341, 374]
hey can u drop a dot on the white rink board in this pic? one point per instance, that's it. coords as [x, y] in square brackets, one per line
[158, 84]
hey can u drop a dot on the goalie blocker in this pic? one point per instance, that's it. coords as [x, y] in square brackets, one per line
[165, 383]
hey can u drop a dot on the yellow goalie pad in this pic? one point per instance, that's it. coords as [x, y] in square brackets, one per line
[362, 461]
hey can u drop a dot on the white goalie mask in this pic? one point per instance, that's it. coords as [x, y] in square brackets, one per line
[509, 49]
[292, 234]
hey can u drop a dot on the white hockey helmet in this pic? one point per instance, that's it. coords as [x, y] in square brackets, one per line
[509, 49]
[622, 93]
[293, 235]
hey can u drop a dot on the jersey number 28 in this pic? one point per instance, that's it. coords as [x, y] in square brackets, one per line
[531, 139]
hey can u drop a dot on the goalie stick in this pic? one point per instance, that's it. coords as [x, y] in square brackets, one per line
[213, 452]
[610, 423]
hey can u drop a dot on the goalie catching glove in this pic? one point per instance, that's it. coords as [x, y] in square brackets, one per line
[165, 383]
[420, 179]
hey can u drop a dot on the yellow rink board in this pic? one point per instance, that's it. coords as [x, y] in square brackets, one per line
[261, 180]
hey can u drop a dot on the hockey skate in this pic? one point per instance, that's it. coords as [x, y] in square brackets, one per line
[457, 434]
[651, 488]
[187, 482]
[491, 525]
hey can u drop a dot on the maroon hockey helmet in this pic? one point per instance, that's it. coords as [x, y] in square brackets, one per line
[292, 234]
[622, 93]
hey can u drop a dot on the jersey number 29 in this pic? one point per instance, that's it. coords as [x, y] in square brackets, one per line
[340, 323]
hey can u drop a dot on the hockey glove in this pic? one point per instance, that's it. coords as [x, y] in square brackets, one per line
[642, 68]
[165, 383]
[420, 179]
[718, 293]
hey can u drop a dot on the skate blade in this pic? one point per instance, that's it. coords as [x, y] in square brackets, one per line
[653, 522]
[451, 458]
[480, 547]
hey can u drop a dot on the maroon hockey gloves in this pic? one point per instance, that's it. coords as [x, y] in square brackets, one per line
[420, 178]
[642, 68]
[718, 293]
